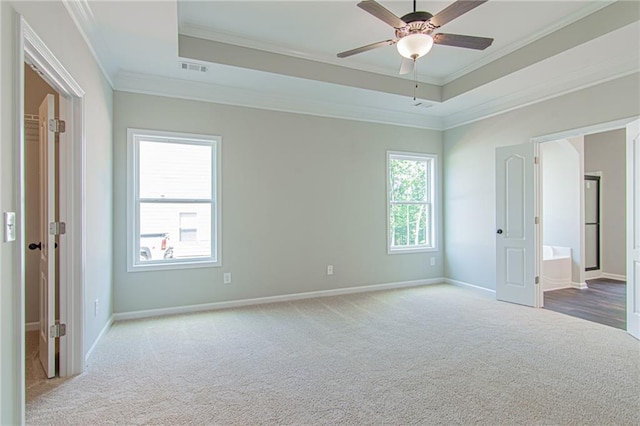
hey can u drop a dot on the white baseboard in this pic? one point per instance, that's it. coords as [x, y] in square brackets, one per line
[483, 290]
[554, 288]
[616, 277]
[270, 299]
[550, 284]
[32, 326]
[104, 330]
[579, 286]
[594, 275]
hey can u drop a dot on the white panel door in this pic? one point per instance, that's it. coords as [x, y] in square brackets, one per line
[633, 229]
[515, 226]
[47, 251]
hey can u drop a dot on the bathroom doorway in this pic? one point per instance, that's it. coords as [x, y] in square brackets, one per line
[583, 268]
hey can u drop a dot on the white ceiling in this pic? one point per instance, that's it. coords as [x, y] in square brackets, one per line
[282, 55]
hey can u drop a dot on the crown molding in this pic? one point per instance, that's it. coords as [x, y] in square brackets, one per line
[38, 54]
[235, 96]
[571, 82]
[586, 31]
[82, 16]
[496, 54]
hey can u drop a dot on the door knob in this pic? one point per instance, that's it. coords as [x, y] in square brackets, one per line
[499, 231]
[38, 246]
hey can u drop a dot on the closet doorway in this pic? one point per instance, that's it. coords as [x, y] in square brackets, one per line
[41, 305]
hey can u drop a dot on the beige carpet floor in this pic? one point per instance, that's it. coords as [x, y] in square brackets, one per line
[35, 375]
[428, 355]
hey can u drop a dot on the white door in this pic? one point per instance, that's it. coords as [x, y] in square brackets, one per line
[633, 228]
[47, 252]
[515, 226]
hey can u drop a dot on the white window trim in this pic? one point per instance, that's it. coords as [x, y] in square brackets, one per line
[133, 244]
[416, 156]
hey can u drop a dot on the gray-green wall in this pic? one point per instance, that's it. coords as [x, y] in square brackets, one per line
[606, 153]
[469, 158]
[298, 193]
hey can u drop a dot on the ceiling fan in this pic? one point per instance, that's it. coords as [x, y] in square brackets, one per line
[414, 31]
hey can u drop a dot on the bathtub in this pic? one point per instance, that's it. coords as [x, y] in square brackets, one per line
[556, 267]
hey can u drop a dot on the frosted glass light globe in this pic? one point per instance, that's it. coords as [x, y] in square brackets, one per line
[415, 45]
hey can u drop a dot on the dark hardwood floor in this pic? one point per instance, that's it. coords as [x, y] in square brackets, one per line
[603, 302]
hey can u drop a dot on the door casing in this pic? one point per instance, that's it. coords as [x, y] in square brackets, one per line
[582, 131]
[633, 228]
[33, 51]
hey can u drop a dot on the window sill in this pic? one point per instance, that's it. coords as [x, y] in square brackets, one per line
[411, 250]
[167, 266]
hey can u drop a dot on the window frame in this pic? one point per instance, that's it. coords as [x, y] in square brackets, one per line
[431, 187]
[134, 137]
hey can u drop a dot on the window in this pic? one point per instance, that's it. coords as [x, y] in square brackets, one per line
[173, 214]
[410, 194]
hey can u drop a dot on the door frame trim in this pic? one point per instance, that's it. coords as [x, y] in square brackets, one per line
[570, 133]
[32, 50]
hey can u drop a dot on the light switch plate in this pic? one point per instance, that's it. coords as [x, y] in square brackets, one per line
[9, 226]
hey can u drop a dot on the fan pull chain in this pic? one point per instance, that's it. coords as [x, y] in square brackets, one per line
[415, 78]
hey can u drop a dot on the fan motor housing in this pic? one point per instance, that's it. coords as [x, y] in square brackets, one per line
[416, 16]
[416, 23]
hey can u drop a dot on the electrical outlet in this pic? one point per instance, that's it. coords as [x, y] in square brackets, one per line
[227, 277]
[95, 307]
[329, 269]
[433, 261]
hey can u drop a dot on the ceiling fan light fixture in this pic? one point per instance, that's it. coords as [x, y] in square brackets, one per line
[415, 45]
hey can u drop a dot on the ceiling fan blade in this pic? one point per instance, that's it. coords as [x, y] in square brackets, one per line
[458, 40]
[366, 48]
[454, 10]
[406, 66]
[377, 10]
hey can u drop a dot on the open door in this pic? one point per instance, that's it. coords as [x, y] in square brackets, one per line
[633, 228]
[47, 239]
[515, 225]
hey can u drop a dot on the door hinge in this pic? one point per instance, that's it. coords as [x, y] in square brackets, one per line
[536, 160]
[536, 220]
[58, 330]
[57, 228]
[57, 126]
[537, 280]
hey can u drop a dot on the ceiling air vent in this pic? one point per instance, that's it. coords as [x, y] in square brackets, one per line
[192, 67]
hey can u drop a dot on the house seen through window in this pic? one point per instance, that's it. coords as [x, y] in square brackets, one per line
[188, 226]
